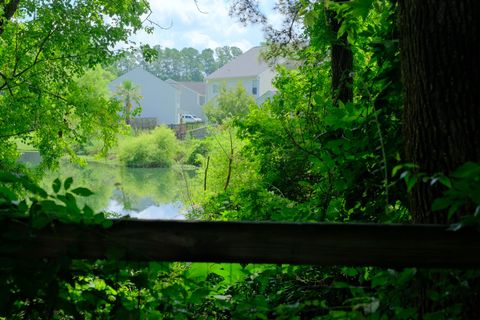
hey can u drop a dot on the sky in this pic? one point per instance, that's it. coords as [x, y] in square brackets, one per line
[188, 27]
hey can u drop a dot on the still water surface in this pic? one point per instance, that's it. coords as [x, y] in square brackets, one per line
[145, 193]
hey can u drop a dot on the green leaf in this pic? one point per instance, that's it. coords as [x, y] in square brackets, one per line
[351, 272]
[406, 275]
[360, 8]
[440, 204]
[87, 211]
[342, 30]
[56, 185]
[67, 183]
[396, 169]
[81, 191]
[198, 295]
[7, 194]
[99, 218]
[410, 180]
[340, 284]
[381, 279]
[107, 223]
[35, 189]
[453, 209]
[8, 177]
[445, 181]
[63, 198]
[467, 170]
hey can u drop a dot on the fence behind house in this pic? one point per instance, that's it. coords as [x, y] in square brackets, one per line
[144, 123]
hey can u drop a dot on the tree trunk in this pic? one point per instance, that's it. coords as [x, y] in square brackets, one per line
[8, 11]
[440, 70]
[342, 63]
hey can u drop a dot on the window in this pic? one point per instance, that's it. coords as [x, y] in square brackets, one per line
[215, 88]
[254, 87]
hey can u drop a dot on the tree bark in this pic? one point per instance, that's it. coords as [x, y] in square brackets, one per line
[440, 70]
[9, 10]
[342, 63]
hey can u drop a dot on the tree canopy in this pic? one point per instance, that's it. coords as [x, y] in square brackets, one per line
[187, 64]
[45, 46]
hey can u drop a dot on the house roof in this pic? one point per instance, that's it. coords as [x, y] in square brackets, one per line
[199, 87]
[138, 76]
[245, 65]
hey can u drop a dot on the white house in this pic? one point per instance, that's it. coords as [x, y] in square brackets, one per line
[249, 69]
[192, 97]
[160, 100]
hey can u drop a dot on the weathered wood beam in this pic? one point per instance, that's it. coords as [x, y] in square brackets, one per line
[294, 243]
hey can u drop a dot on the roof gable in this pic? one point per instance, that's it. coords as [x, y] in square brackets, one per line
[245, 65]
[139, 76]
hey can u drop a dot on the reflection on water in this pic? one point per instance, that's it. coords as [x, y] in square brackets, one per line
[170, 211]
[144, 193]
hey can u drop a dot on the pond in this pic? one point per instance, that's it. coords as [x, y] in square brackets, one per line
[145, 193]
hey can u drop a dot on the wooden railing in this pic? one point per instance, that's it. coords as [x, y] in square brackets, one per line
[293, 243]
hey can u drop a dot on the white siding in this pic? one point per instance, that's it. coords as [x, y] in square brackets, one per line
[230, 83]
[159, 99]
[265, 81]
[190, 102]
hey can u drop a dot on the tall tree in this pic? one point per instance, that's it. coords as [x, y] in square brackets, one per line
[191, 65]
[326, 15]
[441, 74]
[186, 64]
[342, 60]
[208, 61]
[223, 55]
[235, 51]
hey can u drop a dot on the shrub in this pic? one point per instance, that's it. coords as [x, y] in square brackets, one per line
[148, 150]
[200, 149]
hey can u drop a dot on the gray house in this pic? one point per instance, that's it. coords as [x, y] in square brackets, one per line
[160, 101]
[192, 97]
[249, 69]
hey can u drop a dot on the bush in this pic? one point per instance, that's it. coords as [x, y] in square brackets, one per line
[148, 150]
[230, 103]
[200, 149]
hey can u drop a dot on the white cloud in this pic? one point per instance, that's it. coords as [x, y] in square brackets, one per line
[198, 39]
[243, 44]
[192, 28]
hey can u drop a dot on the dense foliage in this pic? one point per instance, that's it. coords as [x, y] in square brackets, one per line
[45, 47]
[149, 149]
[333, 160]
[312, 153]
[228, 104]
